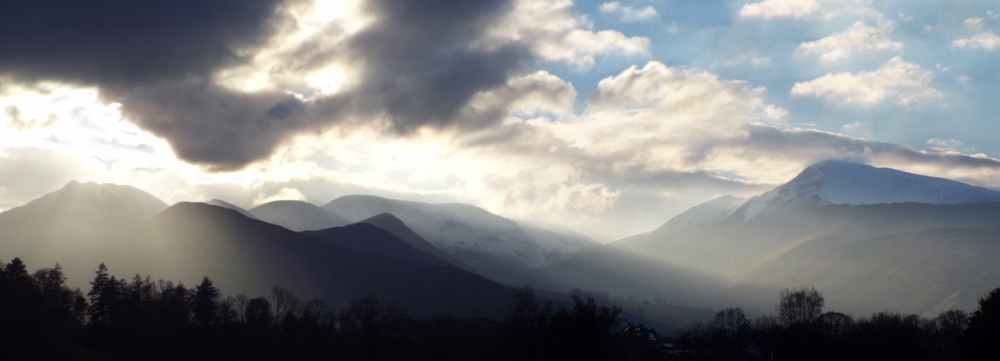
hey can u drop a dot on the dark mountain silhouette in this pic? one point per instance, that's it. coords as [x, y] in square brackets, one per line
[298, 216]
[83, 225]
[370, 238]
[248, 256]
[391, 224]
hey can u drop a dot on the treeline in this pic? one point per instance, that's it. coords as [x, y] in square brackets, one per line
[119, 319]
[800, 330]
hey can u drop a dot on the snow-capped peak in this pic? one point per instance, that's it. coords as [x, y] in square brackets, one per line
[840, 182]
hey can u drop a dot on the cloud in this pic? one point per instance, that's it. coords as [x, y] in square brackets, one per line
[650, 141]
[858, 36]
[896, 79]
[797, 9]
[983, 39]
[752, 59]
[555, 33]
[120, 43]
[808, 145]
[850, 127]
[628, 14]
[779, 8]
[949, 145]
[284, 194]
[228, 84]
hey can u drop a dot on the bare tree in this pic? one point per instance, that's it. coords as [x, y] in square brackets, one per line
[285, 303]
[241, 307]
[800, 306]
[729, 329]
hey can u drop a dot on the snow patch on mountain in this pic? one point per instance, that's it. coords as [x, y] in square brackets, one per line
[835, 182]
[460, 228]
[709, 212]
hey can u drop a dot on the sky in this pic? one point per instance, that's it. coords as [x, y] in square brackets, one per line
[605, 117]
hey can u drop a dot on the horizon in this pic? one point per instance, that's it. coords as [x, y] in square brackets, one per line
[541, 223]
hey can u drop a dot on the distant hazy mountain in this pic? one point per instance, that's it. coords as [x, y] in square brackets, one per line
[832, 209]
[74, 224]
[224, 204]
[927, 271]
[298, 216]
[393, 225]
[493, 246]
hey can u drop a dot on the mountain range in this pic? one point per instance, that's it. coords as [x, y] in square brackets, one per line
[493, 246]
[868, 238]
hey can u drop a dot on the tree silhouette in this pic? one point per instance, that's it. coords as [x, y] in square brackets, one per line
[729, 330]
[983, 333]
[258, 312]
[285, 303]
[205, 303]
[102, 295]
[800, 305]
[17, 273]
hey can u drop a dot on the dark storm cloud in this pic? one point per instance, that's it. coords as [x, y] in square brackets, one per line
[124, 42]
[158, 59]
[212, 125]
[420, 67]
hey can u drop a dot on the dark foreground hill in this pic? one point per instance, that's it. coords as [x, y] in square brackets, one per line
[248, 256]
[83, 225]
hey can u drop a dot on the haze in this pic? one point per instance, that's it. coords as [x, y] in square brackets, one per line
[605, 117]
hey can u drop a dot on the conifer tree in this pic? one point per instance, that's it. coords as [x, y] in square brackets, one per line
[205, 303]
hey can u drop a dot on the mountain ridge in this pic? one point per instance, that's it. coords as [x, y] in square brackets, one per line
[496, 247]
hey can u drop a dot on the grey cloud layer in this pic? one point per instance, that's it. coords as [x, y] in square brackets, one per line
[816, 145]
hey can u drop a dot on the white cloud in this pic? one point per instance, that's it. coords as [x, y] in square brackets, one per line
[982, 39]
[963, 79]
[905, 17]
[847, 128]
[555, 33]
[858, 36]
[896, 79]
[779, 8]
[73, 119]
[949, 144]
[538, 93]
[753, 60]
[827, 9]
[626, 13]
[284, 194]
